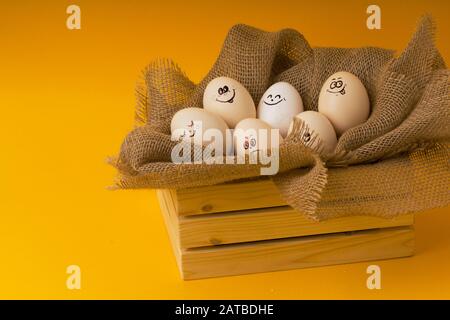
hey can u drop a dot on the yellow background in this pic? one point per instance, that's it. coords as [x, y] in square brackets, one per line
[67, 101]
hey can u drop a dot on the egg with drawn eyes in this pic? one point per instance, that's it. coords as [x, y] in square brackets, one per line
[319, 131]
[228, 99]
[278, 105]
[253, 136]
[200, 127]
[344, 101]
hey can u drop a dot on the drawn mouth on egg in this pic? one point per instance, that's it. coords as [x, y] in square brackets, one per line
[342, 91]
[274, 104]
[231, 100]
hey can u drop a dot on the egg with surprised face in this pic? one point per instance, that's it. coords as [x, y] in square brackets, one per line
[252, 136]
[198, 126]
[344, 101]
[228, 99]
[279, 104]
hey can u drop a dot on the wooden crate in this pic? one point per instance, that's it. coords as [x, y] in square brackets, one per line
[240, 228]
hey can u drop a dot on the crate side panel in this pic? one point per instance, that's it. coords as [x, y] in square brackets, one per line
[296, 253]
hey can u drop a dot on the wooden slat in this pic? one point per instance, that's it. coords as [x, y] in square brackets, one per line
[284, 254]
[263, 224]
[227, 197]
[301, 252]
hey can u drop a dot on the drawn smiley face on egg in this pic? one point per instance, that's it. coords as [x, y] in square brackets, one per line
[191, 125]
[228, 99]
[272, 100]
[226, 95]
[254, 136]
[278, 105]
[337, 86]
[344, 100]
[191, 128]
[250, 143]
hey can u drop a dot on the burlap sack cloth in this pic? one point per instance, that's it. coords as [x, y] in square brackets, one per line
[397, 162]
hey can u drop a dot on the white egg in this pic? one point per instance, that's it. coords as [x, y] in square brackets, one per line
[254, 135]
[344, 100]
[319, 126]
[279, 104]
[228, 99]
[200, 127]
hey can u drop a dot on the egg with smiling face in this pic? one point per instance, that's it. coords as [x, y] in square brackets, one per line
[279, 104]
[228, 99]
[344, 101]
